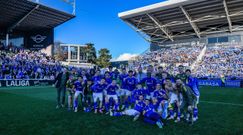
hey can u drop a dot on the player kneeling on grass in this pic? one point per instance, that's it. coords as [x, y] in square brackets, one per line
[193, 84]
[79, 86]
[151, 116]
[162, 100]
[136, 111]
[98, 90]
[69, 87]
[111, 97]
[189, 98]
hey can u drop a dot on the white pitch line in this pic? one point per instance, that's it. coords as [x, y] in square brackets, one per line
[222, 103]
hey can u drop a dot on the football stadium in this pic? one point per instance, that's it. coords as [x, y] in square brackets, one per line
[189, 81]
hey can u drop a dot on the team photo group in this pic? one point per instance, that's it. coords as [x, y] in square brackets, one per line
[154, 96]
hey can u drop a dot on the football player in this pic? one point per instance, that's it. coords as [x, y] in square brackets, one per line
[79, 86]
[193, 84]
[151, 116]
[136, 111]
[188, 100]
[98, 91]
[161, 97]
[111, 95]
[69, 87]
[150, 83]
[130, 83]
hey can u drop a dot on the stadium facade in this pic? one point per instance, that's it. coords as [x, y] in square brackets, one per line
[29, 24]
[188, 22]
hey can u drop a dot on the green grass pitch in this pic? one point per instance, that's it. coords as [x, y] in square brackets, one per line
[31, 111]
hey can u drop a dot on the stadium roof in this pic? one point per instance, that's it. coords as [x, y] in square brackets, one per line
[182, 19]
[24, 15]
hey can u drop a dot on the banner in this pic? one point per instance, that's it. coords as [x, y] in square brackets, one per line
[25, 83]
[216, 82]
[233, 83]
[39, 39]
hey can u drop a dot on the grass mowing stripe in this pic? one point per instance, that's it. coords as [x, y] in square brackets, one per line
[221, 103]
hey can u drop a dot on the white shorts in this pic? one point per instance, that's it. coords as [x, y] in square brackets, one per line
[77, 93]
[97, 96]
[127, 93]
[131, 112]
[120, 92]
[115, 97]
[173, 98]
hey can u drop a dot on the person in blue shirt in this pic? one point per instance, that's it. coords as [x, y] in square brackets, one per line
[122, 78]
[121, 82]
[161, 97]
[111, 95]
[140, 91]
[111, 72]
[136, 111]
[79, 86]
[97, 77]
[115, 74]
[98, 91]
[108, 78]
[193, 84]
[151, 116]
[150, 83]
[130, 83]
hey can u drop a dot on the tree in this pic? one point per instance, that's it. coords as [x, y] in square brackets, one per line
[104, 58]
[58, 52]
[90, 52]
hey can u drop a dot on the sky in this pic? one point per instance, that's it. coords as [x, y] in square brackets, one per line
[97, 22]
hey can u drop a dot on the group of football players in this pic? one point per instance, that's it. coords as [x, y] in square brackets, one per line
[155, 96]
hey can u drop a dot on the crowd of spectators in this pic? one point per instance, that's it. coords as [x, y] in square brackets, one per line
[24, 64]
[168, 56]
[218, 62]
[221, 62]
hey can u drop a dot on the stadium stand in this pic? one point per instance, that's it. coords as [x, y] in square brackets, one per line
[218, 61]
[25, 64]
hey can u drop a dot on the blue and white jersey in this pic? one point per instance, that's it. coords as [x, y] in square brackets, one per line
[98, 88]
[193, 84]
[131, 83]
[138, 92]
[160, 95]
[122, 78]
[139, 106]
[150, 83]
[111, 89]
[78, 86]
